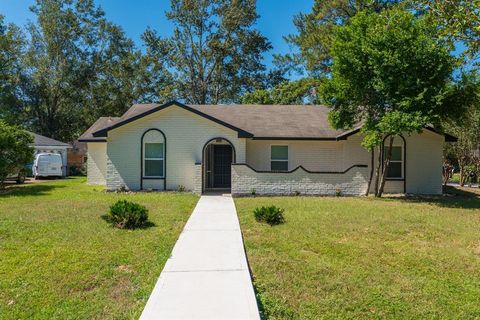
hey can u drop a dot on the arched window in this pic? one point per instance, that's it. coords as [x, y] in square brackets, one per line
[153, 154]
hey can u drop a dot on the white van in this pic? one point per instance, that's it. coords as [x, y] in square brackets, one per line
[47, 165]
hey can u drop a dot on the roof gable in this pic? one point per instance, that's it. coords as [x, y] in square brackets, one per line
[40, 140]
[133, 114]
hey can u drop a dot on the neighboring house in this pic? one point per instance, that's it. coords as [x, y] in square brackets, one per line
[261, 149]
[44, 144]
[77, 155]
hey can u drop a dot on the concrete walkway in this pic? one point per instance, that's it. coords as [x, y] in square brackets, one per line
[207, 276]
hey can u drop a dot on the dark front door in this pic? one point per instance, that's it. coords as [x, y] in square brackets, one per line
[222, 165]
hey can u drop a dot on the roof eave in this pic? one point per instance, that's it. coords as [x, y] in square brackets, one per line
[448, 137]
[52, 146]
[297, 138]
[91, 140]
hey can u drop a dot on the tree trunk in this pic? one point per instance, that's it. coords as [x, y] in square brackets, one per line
[386, 163]
[446, 177]
[377, 170]
[462, 173]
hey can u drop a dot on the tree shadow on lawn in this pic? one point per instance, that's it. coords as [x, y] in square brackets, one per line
[453, 197]
[28, 190]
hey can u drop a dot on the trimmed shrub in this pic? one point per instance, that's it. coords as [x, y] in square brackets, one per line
[127, 215]
[271, 215]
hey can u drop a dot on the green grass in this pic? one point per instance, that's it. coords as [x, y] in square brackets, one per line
[364, 258]
[455, 178]
[60, 260]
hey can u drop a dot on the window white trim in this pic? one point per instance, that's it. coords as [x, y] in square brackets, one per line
[402, 176]
[281, 160]
[157, 159]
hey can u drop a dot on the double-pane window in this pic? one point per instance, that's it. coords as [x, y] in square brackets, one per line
[153, 160]
[279, 158]
[395, 169]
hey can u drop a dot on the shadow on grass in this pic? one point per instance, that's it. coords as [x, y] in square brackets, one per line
[28, 190]
[453, 197]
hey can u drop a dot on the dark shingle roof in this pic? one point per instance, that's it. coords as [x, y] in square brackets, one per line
[275, 121]
[259, 121]
[40, 140]
[101, 123]
[256, 121]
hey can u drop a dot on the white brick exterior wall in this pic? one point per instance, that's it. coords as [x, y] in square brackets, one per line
[117, 163]
[96, 163]
[197, 189]
[185, 132]
[424, 163]
[312, 155]
[424, 160]
[245, 181]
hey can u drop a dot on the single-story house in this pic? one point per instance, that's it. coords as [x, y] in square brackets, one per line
[43, 144]
[246, 149]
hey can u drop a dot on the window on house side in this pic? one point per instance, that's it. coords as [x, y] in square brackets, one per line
[279, 158]
[395, 169]
[153, 158]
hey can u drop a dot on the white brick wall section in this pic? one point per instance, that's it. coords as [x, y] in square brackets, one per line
[197, 189]
[424, 161]
[96, 163]
[245, 181]
[186, 133]
[312, 155]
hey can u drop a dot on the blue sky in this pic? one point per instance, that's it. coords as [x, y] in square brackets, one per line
[135, 15]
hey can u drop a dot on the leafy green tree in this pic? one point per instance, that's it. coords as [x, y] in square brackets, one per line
[303, 91]
[391, 72]
[215, 53]
[76, 66]
[259, 96]
[58, 61]
[117, 75]
[315, 32]
[15, 150]
[156, 81]
[466, 127]
[11, 46]
[457, 20]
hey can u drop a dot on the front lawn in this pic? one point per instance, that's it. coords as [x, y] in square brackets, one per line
[357, 258]
[60, 260]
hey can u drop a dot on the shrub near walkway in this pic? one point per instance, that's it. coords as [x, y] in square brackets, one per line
[60, 260]
[347, 258]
